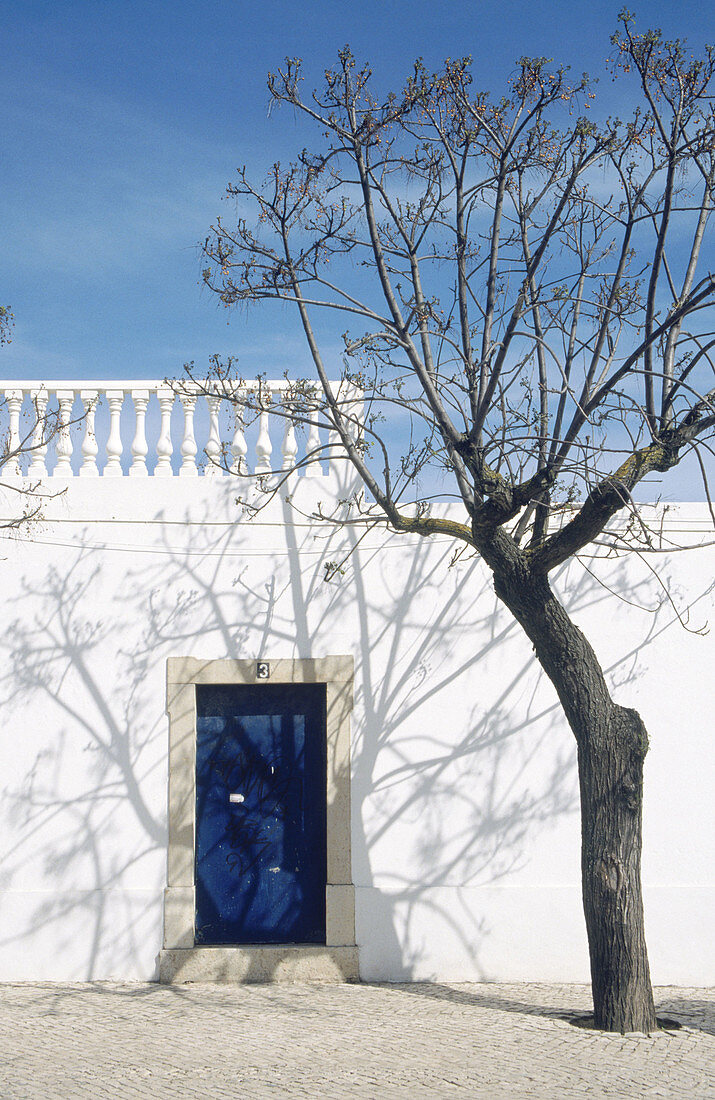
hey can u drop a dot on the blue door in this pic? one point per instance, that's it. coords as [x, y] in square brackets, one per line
[260, 814]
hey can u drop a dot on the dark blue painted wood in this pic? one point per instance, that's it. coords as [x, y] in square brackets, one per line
[261, 861]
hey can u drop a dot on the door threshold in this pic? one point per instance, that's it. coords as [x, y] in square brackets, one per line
[259, 963]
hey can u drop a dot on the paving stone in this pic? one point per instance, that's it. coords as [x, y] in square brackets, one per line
[195, 1042]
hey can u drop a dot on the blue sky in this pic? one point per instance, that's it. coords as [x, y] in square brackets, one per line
[122, 123]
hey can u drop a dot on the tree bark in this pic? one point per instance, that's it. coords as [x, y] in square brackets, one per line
[612, 744]
[611, 783]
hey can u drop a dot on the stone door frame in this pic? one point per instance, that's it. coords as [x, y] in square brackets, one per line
[181, 959]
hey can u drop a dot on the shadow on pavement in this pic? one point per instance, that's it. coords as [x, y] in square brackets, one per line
[692, 1012]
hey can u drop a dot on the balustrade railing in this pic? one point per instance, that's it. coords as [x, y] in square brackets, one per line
[140, 429]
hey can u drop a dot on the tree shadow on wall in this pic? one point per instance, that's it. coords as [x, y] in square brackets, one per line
[83, 815]
[457, 800]
[404, 770]
[285, 608]
[439, 803]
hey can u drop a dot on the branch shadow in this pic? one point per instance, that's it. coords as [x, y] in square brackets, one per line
[555, 1004]
[436, 804]
[92, 771]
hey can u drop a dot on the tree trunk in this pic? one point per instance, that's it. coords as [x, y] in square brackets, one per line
[610, 765]
[612, 743]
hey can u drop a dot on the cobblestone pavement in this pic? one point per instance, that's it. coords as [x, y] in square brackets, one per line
[106, 1040]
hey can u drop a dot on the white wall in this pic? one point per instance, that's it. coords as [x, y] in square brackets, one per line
[465, 816]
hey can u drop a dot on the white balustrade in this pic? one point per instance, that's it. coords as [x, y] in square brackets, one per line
[140, 448]
[87, 440]
[90, 450]
[356, 412]
[63, 450]
[164, 448]
[115, 400]
[239, 447]
[314, 444]
[12, 466]
[264, 447]
[40, 433]
[213, 446]
[188, 446]
[290, 445]
[349, 403]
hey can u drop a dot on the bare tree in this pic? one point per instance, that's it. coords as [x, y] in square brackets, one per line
[529, 297]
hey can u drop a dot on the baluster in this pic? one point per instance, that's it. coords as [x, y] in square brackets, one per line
[213, 446]
[88, 468]
[314, 444]
[336, 450]
[12, 467]
[38, 467]
[355, 410]
[289, 447]
[264, 447]
[239, 447]
[115, 400]
[139, 443]
[164, 446]
[63, 450]
[188, 446]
